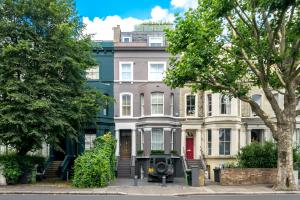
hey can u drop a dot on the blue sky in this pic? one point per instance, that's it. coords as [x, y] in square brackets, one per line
[100, 16]
[123, 8]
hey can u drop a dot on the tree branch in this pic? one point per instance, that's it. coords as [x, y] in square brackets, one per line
[257, 109]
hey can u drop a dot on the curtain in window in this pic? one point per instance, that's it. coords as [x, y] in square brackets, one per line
[156, 72]
[224, 141]
[126, 72]
[157, 142]
[157, 103]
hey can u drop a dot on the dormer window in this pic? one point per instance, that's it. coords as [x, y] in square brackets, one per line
[126, 39]
[156, 41]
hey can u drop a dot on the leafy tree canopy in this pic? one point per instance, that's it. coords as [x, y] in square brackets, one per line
[233, 46]
[43, 58]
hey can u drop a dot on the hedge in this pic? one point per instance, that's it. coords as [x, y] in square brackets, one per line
[96, 167]
[15, 165]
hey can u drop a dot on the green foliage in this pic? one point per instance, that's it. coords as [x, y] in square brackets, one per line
[296, 154]
[43, 58]
[232, 165]
[96, 168]
[256, 155]
[14, 165]
[140, 152]
[174, 152]
[157, 152]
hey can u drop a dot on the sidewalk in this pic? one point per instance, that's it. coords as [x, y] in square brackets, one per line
[144, 190]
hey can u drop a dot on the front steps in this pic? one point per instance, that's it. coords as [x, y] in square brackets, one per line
[52, 171]
[124, 168]
[195, 162]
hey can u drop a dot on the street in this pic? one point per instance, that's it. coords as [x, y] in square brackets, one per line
[125, 197]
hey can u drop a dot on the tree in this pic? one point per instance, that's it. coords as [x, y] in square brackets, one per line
[231, 46]
[43, 58]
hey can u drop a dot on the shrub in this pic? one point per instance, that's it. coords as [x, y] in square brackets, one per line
[14, 165]
[96, 168]
[256, 155]
[157, 152]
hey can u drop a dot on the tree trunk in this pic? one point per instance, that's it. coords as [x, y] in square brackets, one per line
[285, 176]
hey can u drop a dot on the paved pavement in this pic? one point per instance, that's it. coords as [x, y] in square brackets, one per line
[125, 187]
[94, 197]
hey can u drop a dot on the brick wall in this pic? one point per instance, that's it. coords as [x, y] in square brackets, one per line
[248, 176]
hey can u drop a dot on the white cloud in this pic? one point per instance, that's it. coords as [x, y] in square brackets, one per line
[102, 28]
[160, 14]
[185, 4]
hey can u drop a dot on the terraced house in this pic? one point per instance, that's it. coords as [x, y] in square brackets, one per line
[215, 127]
[146, 110]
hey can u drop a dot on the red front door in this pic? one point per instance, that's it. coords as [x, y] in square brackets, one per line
[190, 148]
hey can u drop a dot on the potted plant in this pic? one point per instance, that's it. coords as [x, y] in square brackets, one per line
[140, 152]
[157, 152]
[174, 153]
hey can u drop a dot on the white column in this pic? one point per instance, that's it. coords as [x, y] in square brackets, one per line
[117, 136]
[133, 142]
[142, 139]
[198, 144]
[183, 136]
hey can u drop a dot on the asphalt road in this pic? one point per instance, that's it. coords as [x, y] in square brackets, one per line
[202, 197]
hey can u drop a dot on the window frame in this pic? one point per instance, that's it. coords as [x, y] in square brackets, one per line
[163, 104]
[196, 105]
[121, 104]
[149, 68]
[91, 73]
[142, 104]
[130, 39]
[260, 103]
[226, 105]
[172, 104]
[209, 142]
[91, 138]
[225, 141]
[106, 107]
[152, 37]
[120, 71]
[163, 139]
[209, 105]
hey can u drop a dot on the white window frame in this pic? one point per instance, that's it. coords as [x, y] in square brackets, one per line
[196, 105]
[209, 112]
[92, 72]
[228, 112]
[142, 99]
[261, 97]
[163, 139]
[120, 71]
[130, 39]
[156, 62]
[89, 139]
[172, 105]
[225, 141]
[163, 108]
[172, 139]
[156, 37]
[209, 142]
[121, 104]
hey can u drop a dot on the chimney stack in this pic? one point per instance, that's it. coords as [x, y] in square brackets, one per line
[117, 34]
